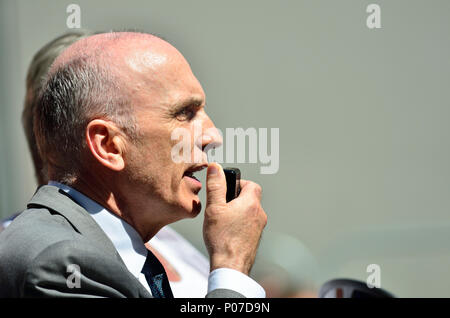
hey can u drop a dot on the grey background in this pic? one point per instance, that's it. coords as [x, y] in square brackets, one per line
[363, 115]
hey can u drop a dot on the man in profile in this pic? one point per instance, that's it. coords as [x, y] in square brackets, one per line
[103, 122]
[187, 269]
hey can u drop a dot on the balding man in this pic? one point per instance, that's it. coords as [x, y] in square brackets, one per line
[104, 123]
[187, 269]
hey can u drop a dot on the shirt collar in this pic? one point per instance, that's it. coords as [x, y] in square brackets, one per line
[124, 237]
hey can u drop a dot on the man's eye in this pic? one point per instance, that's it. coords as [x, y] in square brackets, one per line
[186, 113]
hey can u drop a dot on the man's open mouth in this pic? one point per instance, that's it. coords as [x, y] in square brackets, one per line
[192, 170]
[190, 175]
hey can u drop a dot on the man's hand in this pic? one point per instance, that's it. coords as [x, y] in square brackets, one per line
[232, 231]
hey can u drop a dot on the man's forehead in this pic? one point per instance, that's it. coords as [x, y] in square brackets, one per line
[114, 46]
[143, 62]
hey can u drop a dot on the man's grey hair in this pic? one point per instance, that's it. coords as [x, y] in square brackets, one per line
[36, 74]
[74, 94]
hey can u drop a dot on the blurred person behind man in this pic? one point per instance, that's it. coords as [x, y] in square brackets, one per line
[187, 269]
[286, 267]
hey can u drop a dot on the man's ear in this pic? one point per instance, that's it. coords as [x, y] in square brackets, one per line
[106, 143]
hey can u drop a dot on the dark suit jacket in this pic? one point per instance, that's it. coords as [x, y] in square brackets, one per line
[53, 233]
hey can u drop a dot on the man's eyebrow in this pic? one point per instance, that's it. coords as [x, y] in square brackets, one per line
[192, 101]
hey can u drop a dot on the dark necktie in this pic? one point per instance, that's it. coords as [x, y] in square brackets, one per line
[156, 277]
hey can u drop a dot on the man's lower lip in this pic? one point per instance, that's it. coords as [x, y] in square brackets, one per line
[193, 181]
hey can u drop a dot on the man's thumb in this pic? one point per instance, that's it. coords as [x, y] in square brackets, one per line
[216, 185]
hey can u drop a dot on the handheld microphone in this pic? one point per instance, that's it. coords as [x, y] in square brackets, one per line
[233, 176]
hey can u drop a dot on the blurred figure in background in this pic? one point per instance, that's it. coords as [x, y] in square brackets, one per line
[286, 267]
[187, 269]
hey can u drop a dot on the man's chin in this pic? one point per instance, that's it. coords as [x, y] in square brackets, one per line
[189, 201]
[196, 208]
[193, 208]
[188, 205]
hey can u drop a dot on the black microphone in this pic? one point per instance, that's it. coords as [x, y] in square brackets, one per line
[233, 176]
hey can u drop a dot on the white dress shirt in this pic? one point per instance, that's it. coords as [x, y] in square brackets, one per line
[133, 252]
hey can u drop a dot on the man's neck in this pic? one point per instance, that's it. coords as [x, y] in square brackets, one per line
[107, 195]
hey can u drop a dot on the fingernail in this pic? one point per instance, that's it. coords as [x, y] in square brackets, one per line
[212, 170]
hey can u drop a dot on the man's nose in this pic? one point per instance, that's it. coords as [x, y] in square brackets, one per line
[211, 136]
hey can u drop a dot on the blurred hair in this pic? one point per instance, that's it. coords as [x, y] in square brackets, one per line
[37, 72]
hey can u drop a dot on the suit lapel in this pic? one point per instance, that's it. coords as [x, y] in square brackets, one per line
[60, 202]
